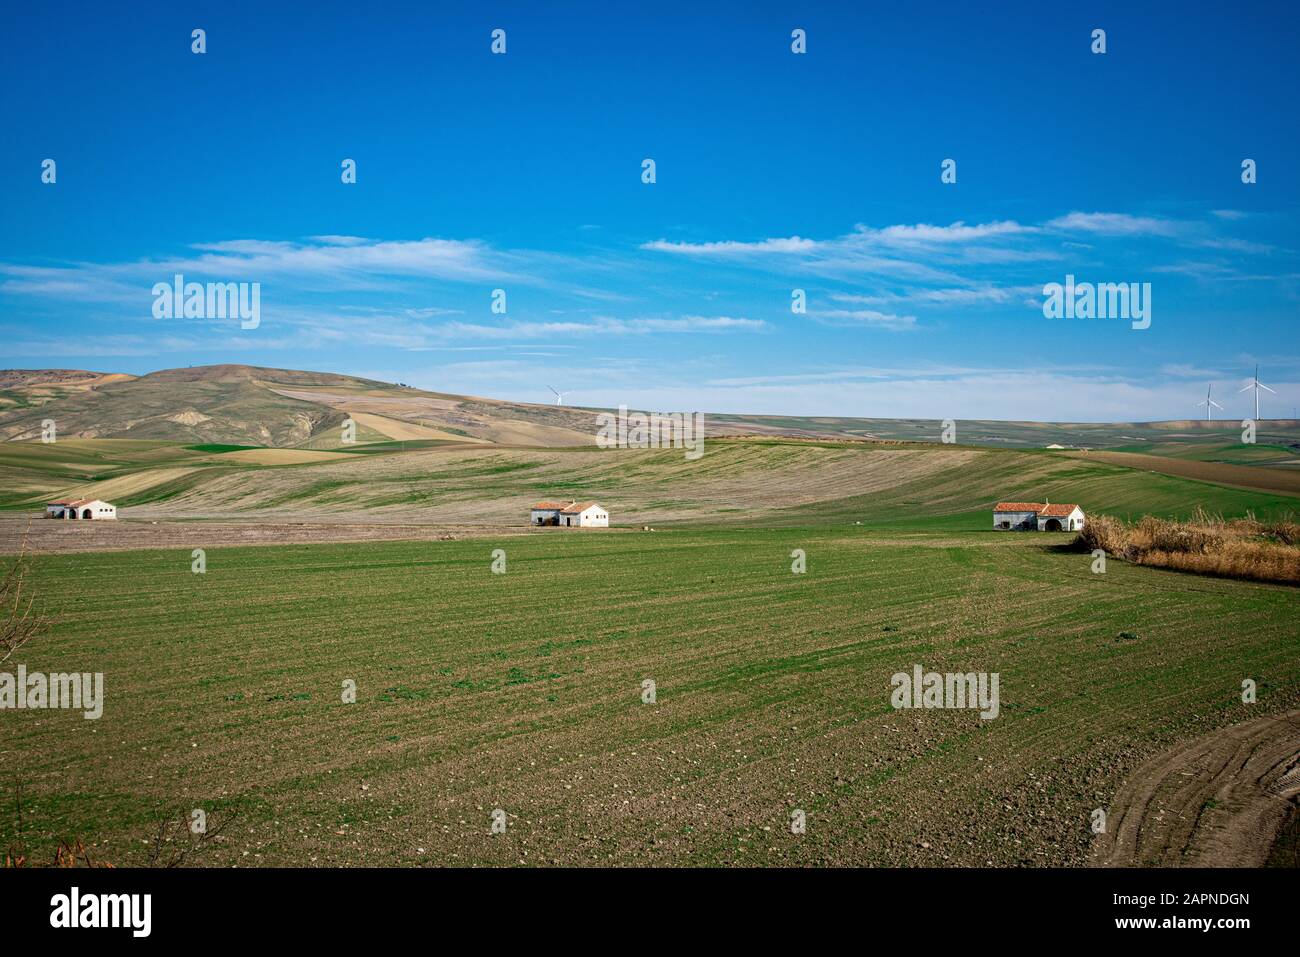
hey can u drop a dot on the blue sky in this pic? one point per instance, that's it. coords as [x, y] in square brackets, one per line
[775, 171]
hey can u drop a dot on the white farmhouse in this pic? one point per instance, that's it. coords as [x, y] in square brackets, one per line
[80, 508]
[1041, 516]
[579, 514]
[584, 514]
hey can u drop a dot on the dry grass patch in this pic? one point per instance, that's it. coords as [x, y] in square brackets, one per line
[1206, 544]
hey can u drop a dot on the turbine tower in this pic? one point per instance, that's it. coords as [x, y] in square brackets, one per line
[1256, 385]
[559, 396]
[1208, 403]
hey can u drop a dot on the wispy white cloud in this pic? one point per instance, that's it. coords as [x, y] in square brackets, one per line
[958, 232]
[339, 258]
[1118, 224]
[865, 317]
[604, 325]
[957, 296]
[733, 249]
[341, 264]
[1185, 370]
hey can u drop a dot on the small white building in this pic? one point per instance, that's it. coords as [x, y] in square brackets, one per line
[81, 508]
[584, 515]
[572, 514]
[1040, 516]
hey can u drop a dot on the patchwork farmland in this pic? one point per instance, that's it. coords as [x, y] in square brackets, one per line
[524, 691]
[769, 591]
[772, 481]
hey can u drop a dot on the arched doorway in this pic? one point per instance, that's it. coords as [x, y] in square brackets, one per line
[1053, 525]
[85, 513]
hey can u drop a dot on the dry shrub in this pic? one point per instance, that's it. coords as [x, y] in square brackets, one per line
[17, 623]
[1284, 533]
[75, 854]
[1205, 544]
[1104, 532]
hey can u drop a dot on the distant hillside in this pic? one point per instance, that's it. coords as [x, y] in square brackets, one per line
[1207, 438]
[215, 404]
[31, 388]
[284, 408]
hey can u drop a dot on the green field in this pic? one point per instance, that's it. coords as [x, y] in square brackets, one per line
[522, 691]
[1271, 454]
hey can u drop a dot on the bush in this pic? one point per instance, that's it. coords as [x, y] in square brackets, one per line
[1205, 544]
[18, 625]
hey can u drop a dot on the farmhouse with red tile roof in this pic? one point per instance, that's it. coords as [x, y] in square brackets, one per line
[1040, 516]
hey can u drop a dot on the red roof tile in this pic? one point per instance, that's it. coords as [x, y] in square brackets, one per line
[1047, 511]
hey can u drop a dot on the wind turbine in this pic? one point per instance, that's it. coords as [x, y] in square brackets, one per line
[1209, 402]
[559, 396]
[1256, 385]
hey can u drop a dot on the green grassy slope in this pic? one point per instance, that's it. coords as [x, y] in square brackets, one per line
[1272, 454]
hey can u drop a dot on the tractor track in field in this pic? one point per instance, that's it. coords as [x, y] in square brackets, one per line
[1216, 801]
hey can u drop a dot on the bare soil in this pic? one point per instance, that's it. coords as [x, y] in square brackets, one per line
[1218, 801]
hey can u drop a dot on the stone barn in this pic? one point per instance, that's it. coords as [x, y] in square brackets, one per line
[81, 508]
[1037, 516]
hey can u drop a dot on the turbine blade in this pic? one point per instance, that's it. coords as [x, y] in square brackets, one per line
[1265, 388]
[1246, 388]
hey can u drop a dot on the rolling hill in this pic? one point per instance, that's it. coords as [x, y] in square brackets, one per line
[738, 481]
[232, 441]
[32, 388]
[285, 408]
[277, 408]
